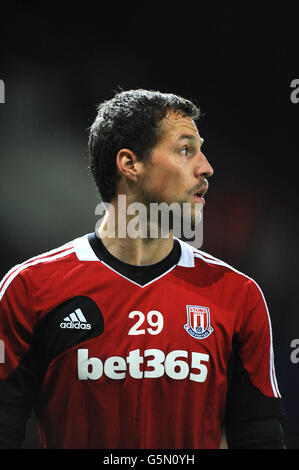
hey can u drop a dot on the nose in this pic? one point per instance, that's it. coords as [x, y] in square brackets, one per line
[203, 167]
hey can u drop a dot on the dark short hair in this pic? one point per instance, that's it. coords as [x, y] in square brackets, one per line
[129, 120]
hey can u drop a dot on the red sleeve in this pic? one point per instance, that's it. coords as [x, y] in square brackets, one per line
[18, 370]
[254, 409]
[256, 343]
[16, 318]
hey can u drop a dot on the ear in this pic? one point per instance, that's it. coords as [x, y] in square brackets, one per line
[128, 164]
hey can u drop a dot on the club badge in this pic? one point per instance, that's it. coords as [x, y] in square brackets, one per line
[198, 321]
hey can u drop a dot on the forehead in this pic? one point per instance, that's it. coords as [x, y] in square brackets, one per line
[175, 124]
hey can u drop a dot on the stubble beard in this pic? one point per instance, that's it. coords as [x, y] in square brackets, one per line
[173, 213]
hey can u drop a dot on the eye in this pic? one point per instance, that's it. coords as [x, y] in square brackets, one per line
[184, 150]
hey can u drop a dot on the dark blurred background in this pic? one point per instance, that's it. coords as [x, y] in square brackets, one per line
[237, 64]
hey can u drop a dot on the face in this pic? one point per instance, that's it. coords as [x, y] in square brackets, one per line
[177, 170]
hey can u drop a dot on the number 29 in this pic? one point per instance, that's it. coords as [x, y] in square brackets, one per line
[154, 319]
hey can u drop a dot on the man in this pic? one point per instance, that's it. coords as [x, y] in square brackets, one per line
[124, 341]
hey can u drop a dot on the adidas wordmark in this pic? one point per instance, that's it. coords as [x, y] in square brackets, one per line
[75, 320]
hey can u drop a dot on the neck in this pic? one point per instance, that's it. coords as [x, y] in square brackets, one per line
[123, 237]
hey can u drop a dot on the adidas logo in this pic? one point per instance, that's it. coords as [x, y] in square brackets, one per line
[75, 320]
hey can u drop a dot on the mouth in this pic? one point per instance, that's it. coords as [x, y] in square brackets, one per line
[199, 195]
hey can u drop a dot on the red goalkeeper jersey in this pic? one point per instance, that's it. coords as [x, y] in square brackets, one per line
[112, 356]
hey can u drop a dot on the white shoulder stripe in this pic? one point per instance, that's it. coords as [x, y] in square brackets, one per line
[41, 255]
[8, 279]
[210, 259]
[207, 255]
[213, 260]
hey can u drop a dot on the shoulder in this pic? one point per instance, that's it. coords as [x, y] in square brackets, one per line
[218, 276]
[41, 265]
[210, 265]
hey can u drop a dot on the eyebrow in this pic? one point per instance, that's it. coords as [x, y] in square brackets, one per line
[190, 137]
